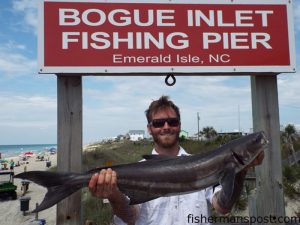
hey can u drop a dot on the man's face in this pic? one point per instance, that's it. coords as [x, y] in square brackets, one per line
[166, 135]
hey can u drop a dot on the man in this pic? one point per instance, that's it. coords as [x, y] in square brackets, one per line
[163, 118]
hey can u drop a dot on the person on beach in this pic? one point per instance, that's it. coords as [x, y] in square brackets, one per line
[11, 165]
[164, 125]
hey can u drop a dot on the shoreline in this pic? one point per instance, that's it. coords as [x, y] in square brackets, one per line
[9, 151]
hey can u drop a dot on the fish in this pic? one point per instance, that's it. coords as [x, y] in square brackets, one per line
[160, 175]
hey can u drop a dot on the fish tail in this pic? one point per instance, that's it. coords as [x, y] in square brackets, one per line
[59, 185]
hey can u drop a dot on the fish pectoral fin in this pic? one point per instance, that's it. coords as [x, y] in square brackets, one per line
[138, 197]
[227, 181]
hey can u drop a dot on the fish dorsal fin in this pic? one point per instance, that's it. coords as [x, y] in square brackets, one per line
[159, 157]
[227, 181]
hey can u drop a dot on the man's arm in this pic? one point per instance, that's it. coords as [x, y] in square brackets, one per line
[219, 200]
[104, 185]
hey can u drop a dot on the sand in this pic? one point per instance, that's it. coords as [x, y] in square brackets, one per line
[10, 209]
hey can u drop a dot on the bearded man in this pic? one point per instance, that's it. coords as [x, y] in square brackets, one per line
[164, 125]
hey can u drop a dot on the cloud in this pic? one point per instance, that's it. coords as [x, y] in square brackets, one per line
[13, 60]
[297, 15]
[27, 119]
[28, 9]
[15, 64]
[26, 109]
[12, 45]
[289, 91]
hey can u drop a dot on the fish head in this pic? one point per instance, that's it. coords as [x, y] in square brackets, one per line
[253, 144]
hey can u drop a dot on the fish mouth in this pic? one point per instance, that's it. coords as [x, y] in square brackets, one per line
[262, 138]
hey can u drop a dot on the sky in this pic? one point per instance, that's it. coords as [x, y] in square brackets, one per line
[115, 105]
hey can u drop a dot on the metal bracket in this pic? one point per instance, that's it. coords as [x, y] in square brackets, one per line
[173, 80]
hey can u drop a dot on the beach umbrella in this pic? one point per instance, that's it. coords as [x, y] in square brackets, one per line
[3, 161]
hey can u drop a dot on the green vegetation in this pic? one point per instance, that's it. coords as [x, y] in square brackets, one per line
[95, 210]
[291, 174]
[290, 142]
[116, 153]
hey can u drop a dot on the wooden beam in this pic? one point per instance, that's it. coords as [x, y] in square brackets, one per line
[265, 110]
[69, 143]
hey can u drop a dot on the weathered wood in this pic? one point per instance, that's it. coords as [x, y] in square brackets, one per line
[252, 207]
[69, 143]
[269, 194]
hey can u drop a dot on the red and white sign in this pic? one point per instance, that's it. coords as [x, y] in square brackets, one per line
[165, 36]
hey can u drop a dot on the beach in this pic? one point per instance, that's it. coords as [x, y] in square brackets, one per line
[10, 209]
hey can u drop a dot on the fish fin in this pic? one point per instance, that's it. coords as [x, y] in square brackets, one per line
[59, 185]
[158, 157]
[138, 197]
[227, 181]
[54, 195]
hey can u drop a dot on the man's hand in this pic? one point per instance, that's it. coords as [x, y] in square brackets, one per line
[104, 184]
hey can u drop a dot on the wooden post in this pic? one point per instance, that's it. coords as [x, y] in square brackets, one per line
[69, 143]
[269, 194]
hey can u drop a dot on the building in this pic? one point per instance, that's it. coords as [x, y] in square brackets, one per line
[136, 135]
[183, 134]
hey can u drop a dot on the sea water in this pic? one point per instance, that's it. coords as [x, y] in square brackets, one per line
[15, 150]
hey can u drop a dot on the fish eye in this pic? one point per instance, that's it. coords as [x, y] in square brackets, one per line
[260, 138]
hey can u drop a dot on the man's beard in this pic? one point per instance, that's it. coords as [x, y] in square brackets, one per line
[166, 142]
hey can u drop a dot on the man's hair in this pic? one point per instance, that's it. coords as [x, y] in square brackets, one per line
[162, 103]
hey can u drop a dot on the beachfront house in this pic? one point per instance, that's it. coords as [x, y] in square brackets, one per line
[183, 134]
[135, 135]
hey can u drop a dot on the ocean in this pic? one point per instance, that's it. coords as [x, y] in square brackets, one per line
[15, 150]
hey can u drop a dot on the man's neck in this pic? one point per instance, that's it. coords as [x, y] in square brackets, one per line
[172, 151]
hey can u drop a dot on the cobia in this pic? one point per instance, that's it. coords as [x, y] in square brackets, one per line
[160, 175]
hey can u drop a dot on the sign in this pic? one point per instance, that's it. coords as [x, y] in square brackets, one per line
[164, 36]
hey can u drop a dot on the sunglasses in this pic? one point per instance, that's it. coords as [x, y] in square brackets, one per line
[158, 123]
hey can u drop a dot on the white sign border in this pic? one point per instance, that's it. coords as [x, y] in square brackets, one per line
[159, 70]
